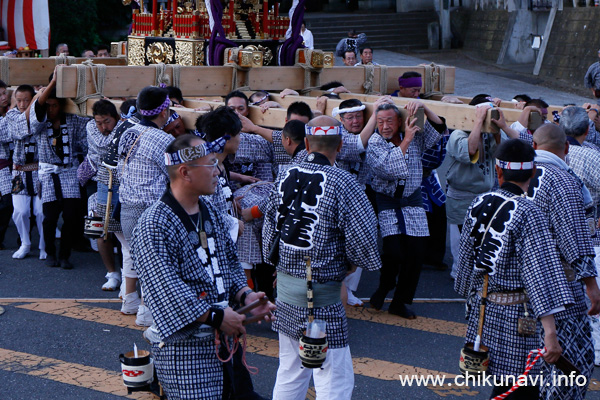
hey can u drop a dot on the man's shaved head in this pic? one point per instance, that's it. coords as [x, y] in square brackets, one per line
[324, 120]
[324, 143]
[550, 137]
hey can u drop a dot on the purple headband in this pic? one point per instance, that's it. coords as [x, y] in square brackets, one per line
[410, 82]
[157, 110]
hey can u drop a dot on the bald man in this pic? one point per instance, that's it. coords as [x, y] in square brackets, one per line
[561, 195]
[320, 211]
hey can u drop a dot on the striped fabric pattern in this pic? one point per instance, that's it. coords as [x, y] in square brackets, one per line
[27, 23]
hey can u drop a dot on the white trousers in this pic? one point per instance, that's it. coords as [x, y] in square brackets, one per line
[128, 271]
[21, 215]
[334, 381]
[454, 248]
[353, 279]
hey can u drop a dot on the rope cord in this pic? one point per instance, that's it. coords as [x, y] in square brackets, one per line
[161, 77]
[528, 366]
[5, 70]
[62, 59]
[98, 80]
[369, 77]
[383, 77]
[236, 344]
[176, 75]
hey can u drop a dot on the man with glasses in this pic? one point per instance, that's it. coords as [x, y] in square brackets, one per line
[190, 273]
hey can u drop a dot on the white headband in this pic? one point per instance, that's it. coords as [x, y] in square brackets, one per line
[337, 111]
[514, 165]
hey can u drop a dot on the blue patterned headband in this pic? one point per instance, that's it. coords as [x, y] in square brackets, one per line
[172, 118]
[192, 153]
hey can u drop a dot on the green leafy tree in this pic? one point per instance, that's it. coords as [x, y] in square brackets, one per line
[84, 24]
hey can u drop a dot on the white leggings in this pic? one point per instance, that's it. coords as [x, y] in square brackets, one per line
[21, 215]
[128, 271]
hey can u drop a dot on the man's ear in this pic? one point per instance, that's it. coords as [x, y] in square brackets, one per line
[306, 144]
[500, 174]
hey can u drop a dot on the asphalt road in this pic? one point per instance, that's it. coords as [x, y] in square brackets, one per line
[60, 335]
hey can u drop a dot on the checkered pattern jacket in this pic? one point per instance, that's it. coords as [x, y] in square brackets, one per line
[521, 254]
[345, 234]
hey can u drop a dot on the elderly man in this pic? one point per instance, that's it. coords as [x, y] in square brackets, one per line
[585, 162]
[319, 211]
[366, 56]
[349, 58]
[62, 49]
[189, 271]
[394, 156]
[561, 195]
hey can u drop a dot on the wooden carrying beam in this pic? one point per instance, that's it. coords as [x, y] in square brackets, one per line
[36, 71]
[503, 104]
[273, 118]
[124, 81]
[458, 116]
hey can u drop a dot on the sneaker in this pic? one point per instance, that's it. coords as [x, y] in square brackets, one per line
[21, 253]
[151, 335]
[144, 317]
[43, 255]
[113, 281]
[131, 303]
[51, 261]
[66, 264]
[353, 300]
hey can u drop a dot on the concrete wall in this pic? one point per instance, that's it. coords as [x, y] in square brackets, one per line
[526, 24]
[486, 32]
[573, 44]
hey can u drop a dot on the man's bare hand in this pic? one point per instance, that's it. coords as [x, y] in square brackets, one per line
[288, 92]
[267, 308]
[553, 349]
[247, 125]
[413, 106]
[232, 324]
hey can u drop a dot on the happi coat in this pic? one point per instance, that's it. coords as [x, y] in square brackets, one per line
[559, 195]
[319, 211]
[59, 153]
[180, 281]
[520, 253]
